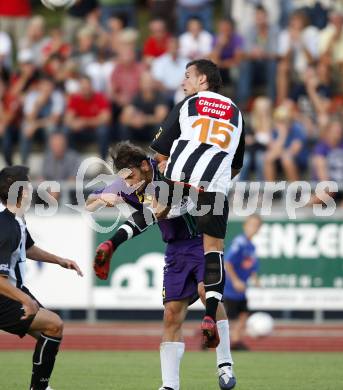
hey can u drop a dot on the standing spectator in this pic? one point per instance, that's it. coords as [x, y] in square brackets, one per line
[156, 44]
[14, 16]
[241, 264]
[287, 150]
[259, 65]
[227, 49]
[85, 52]
[201, 9]
[12, 99]
[124, 7]
[43, 109]
[196, 42]
[327, 158]
[125, 78]
[171, 64]
[88, 116]
[148, 109]
[257, 138]
[60, 163]
[76, 16]
[297, 49]
[35, 39]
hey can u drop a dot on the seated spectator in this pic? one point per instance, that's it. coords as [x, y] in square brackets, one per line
[125, 78]
[87, 117]
[60, 163]
[100, 71]
[257, 138]
[35, 39]
[80, 12]
[287, 150]
[12, 99]
[116, 24]
[56, 46]
[259, 65]
[195, 42]
[297, 49]
[43, 109]
[327, 158]
[171, 64]
[163, 9]
[227, 49]
[85, 51]
[156, 43]
[123, 7]
[331, 47]
[14, 17]
[201, 9]
[148, 109]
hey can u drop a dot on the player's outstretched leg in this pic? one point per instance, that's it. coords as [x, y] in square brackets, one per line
[48, 327]
[102, 259]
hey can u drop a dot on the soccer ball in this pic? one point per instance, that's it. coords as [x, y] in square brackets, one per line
[260, 325]
[53, 4]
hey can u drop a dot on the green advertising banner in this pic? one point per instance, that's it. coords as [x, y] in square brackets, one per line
[301, 267]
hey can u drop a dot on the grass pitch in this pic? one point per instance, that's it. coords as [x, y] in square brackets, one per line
[86, 370]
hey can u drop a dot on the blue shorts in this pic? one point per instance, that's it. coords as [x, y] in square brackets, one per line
[184, 269]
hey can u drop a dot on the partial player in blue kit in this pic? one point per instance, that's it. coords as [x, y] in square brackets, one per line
[184, 261]
[241, 264]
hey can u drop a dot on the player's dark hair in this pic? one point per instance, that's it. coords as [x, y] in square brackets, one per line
[260, 7]
[127, 155]
[9, 176]
[210, 70]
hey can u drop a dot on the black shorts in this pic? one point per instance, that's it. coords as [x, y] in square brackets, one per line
[234, 308]
[214, 221]
[11, 312]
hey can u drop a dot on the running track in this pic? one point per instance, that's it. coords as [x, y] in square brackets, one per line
[146, 336]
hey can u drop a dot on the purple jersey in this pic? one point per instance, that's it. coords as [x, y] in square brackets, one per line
[173, 229]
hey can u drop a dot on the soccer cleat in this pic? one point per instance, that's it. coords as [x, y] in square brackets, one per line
[102, 259]
[226, 378]
[165, 388]
[210, 336]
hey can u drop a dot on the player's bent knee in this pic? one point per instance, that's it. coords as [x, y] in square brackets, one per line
[54, 326]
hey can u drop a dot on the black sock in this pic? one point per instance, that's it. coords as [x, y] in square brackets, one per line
[119, 237]
[214, 281]
[43, 361]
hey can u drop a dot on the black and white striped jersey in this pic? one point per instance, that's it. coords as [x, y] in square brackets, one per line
[14, 240]
[204, 138]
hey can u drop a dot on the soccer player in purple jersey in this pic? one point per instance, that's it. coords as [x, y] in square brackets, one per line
[184, 263]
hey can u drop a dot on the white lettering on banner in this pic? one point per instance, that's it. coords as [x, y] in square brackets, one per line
[303, 240]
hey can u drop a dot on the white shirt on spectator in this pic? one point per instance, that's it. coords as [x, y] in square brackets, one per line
[6, 48]
[195, 47]
[100, 74]
[308, 41]
[169, 72]
[57, 102]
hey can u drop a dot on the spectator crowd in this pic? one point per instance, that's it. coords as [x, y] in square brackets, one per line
[103, 75]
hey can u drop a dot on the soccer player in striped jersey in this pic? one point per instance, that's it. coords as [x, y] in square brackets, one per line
[184, 261]
[20, 312]
[202, 140]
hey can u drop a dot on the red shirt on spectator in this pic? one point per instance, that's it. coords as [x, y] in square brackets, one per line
[15, 8]
[88, 107]
[154, 48]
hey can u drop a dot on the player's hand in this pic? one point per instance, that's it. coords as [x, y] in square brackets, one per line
[30, 308]
[162, 166]
[70, 264]
[239, 286]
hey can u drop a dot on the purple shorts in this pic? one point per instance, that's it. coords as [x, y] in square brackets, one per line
[184, 269]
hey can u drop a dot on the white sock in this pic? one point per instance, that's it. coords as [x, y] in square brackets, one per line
[171, 354]
[223, 350]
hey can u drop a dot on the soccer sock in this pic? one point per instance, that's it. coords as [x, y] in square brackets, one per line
[223, 350]
[43, 361]
[171, 354]
[214, 281]
[139, 222]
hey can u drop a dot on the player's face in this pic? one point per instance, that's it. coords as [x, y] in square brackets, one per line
[193, 81]
[140, 177]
